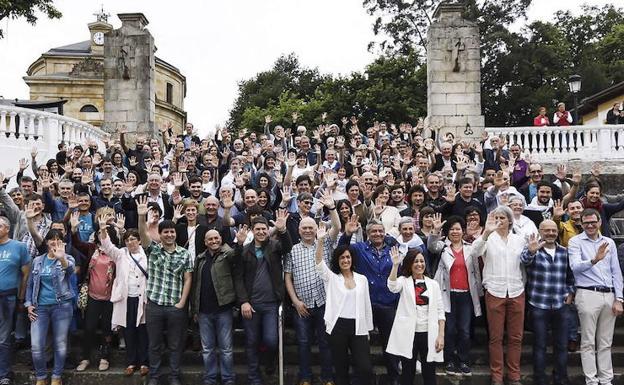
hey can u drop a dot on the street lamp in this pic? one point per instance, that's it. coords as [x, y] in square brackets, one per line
[574, 84]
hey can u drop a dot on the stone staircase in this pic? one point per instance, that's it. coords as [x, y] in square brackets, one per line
[192, 364]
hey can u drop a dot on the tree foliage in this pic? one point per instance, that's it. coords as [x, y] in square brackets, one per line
[28, 9]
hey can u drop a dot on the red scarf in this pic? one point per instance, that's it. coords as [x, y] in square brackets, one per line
[588, 205]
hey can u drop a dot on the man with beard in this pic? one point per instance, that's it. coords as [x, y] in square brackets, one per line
[416, 202]
[57, 207]
[213, 221]
[541, 207]
[136, 153]
[106, 197]
[536, 175]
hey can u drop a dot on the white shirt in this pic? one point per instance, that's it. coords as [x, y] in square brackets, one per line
[191, 230]
[524, 227]
[349, 305]
[502, 272]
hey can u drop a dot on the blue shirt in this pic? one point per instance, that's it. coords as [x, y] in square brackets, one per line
[375, 265]
[13, 255]
[47, 294]
[549, 280]
[85, 228]
[607, 272]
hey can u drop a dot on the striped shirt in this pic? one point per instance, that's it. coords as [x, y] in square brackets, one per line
[549, 279]
[166, 274]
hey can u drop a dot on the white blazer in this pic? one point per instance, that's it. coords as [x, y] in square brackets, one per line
[336, 293]
[401, 341]
[442, 276]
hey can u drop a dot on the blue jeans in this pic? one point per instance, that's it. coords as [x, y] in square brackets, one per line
[7, 311]
[555, 320]
[59, 317]
[305, 328]
[573, 321]
[457, 329]
[383, 318]
[262, 325]
[215, 330]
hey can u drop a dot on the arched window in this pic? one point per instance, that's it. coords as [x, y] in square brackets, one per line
[89, 108]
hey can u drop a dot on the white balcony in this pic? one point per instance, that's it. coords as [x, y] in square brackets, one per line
[590, 143]
[21, 129]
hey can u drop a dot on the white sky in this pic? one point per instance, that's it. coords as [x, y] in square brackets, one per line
[218, 43]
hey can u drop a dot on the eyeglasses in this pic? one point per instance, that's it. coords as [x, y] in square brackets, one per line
[309, 203]
[589, 223]
[536, 172]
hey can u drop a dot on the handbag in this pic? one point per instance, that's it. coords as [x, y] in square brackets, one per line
[138, 265]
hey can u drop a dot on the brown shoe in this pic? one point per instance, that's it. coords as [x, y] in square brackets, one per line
[573, 346]
[305, 382]
[129, 370]
[329, 383]
[56, 381]
[144, 371]
[41, 382]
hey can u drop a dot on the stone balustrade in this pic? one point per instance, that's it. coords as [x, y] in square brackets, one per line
[21, 129]
[589, 143]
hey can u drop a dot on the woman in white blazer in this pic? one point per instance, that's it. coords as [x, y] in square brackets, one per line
[128, 296]
[460, 282]
[348, 312]
[418, 328]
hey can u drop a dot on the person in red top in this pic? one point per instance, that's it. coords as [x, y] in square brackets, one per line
[541, 119]
[562, 117]
[459, 278]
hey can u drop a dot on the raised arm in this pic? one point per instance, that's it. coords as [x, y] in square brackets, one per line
[141, 204]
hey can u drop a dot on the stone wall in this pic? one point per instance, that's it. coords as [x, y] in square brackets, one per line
[129, 86]
[454, 74]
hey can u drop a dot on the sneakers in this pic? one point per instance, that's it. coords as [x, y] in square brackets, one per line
[56, 381]
[40, 382]
[82, 366]
[451, 369]
[465, 370]
[104, 365]
[418, 367]
[5, 381]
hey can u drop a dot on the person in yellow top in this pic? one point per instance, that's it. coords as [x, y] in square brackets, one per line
[571, 227]
[567, 230]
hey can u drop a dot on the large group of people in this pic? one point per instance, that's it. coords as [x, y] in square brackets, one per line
[349, 228]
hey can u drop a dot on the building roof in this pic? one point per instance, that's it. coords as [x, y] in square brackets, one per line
[80, 48]
[590, 103]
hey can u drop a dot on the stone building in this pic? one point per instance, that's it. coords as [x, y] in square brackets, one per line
[75, 73]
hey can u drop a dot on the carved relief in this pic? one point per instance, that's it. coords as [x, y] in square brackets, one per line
[87, 67]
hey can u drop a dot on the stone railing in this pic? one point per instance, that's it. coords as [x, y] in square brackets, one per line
[589, 143]
[21, 129]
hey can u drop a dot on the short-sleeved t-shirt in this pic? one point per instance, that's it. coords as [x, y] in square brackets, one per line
[47, 295]
[85, 228]
[13, 255]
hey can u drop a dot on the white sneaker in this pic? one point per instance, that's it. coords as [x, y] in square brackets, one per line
[82, 366]
[418, 367]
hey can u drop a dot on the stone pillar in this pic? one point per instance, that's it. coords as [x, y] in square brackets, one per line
[129, 87]
[454, 74]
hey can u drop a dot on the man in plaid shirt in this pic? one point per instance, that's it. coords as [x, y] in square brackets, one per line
[307, 292]
[550, 285]
[168, 286]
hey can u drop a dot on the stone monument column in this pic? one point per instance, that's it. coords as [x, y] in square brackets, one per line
[129, 87]
[454, 74]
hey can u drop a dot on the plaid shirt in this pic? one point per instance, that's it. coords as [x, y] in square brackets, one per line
[166, 274]
[42, 228]
[301, 263]
[549, 281]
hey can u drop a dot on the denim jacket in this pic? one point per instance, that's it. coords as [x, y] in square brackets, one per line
[62, 285]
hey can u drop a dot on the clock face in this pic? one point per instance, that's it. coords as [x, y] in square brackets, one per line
[98, 38]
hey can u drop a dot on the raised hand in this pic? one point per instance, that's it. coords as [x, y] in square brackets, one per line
[596, 169]
[227, 202]
[103, 221]
[120, 221]
[379, 206]
[352, 225]
[34, 152]
[327, 199]
[72, 202]
[603, 249]
[178, 181]
[395, 255]
[561, 171]
[141, 203]
[450, 194]
[241, 234]
[295, 116]
[268, 119]
[437, 223]
[558, 210]
[534, 243]
[280, 220]
[74, 220]
[322, 232]
[30, 210]
[492, 224]
[177, 213]
[87, 177]
[292, 160]
[23, 164]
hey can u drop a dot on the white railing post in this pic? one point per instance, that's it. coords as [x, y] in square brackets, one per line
[51, 130]
[604, 141]
[3, 125]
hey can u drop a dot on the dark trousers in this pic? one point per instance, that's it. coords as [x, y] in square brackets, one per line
[97, 313]
[306, 328]
[136, 336]
[383, 317]
[160, 318]
[457, 328]
[261, 326]
[341, 341]
[7, 311]
[420, 349]
[555, 320]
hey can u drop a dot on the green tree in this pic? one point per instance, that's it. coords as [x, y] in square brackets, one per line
[14, 9]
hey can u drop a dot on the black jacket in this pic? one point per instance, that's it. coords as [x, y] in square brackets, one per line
[275, 252]
[200, 234]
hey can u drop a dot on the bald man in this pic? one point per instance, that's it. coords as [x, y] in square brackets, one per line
[213, 220]
[307, 292]
[212, 299]
[550, 285]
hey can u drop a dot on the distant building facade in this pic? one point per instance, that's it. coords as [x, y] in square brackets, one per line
[75, 73]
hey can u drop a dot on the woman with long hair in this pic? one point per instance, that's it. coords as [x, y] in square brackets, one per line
[348, 312]
[418, 328]
[593, 200]
[381, 211]
[460, 281]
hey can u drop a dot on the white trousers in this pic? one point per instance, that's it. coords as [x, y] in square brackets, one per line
[597, 327]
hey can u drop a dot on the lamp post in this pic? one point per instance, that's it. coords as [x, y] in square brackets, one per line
[574, 84]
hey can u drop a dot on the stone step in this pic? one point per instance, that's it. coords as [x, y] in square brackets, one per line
[192, 374]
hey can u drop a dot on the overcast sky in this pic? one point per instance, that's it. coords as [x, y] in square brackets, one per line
[218, 43]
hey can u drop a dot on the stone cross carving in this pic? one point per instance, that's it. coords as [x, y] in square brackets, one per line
[455, 48]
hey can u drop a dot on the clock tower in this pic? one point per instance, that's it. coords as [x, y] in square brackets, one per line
[98, 29]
